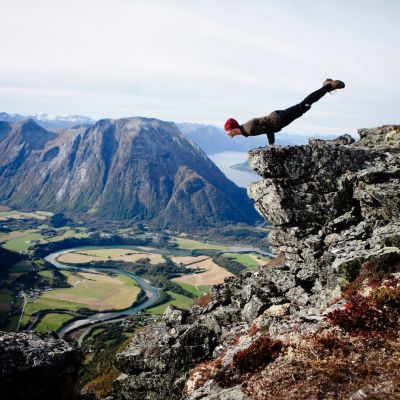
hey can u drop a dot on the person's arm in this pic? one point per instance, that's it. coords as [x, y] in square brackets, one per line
[261, 130]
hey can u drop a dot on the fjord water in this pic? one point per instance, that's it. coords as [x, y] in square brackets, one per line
[226, 159]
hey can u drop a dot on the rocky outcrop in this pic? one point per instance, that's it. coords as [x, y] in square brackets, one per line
[38, 365]
[335, 205]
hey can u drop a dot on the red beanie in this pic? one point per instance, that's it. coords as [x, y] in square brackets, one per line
[231, 124]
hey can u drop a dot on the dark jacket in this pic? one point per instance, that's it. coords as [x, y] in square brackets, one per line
[265, 125]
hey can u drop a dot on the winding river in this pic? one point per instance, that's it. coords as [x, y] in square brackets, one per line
[151, 291]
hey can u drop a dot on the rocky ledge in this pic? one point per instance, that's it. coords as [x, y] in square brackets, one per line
[38, 365]
[321, 321]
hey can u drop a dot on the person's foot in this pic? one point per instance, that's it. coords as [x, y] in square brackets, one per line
[334, 84]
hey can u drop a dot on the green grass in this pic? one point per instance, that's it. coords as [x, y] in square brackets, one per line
[204, 288]
[72, 233]
[22, 266]
[264, 258]
[95, 331]
[85, 293]
[6, 298]
[12, 326]
[19, 244]
[190, 288]
[177, 300]
[45, 213]
[243, 259]
[45, 303]
[52, 322]
[66, 273]
[43, 227]
[46, 274]
[128, 281]
[193, 244]
[55, 239]
[7, 213]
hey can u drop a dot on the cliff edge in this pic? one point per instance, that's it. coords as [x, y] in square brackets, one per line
[321, 321]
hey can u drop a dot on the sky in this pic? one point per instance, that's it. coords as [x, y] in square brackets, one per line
[203, 61]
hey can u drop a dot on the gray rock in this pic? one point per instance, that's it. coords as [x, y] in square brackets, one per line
[37, 365]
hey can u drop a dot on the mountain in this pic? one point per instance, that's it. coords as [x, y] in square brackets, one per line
[50, 122]
[128, 169]
[212, 139]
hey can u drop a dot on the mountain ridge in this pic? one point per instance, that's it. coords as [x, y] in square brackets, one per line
[137, 168]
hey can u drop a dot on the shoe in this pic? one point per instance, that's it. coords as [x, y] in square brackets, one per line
[334, 84]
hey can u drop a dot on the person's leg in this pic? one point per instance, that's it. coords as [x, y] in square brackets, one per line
[290, 114]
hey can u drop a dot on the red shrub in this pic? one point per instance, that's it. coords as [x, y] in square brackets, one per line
[262, 352]
[361, 317]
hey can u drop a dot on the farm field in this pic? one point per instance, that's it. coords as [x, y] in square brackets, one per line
[188, 244]
[189, 288]
[212, 276]
[22, 266]
[177, 300]
[258, 256]
[188, 259]
[21, 215]
[205, 288]
[98, 292]
[105, 252]
[243, 259]
[80, 257]
[13, 235]
[20, 244]
[52, 322]
[12, 326]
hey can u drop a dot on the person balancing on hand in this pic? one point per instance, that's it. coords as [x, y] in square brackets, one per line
[277, 120]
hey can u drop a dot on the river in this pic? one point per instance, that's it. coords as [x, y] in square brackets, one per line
[226, 159]
[151, 291]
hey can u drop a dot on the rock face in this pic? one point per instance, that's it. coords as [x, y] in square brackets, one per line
[37, 365]
[335, 205]
[129, 169]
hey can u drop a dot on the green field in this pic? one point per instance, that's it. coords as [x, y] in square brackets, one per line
[204, 288]
[46, 274]
[72, 233]
[19, 244]
[128, 281]
[52, 322]
[243, 259]
[45, 303]
[55, 239]
[7, 213]
[6, 297]
[12, 326]
[190, 288]
[22, 266]
[193, 244]
[177, 300]
[44, 227]
[45, 213]
[107, 287]
[261, 257]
